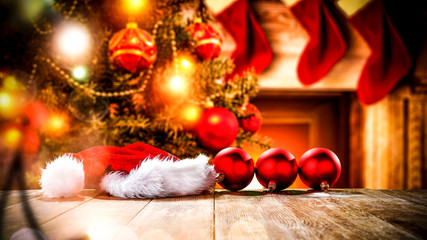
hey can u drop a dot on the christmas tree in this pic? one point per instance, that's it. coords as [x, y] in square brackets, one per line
[118, 72]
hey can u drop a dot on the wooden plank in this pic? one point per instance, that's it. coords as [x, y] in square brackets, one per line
[101, 218]
[43, 209]
[14, 196]
[397, 141]
[339, 221]
[403, 214]
[414, 196]
[257, 215]
[189, 217]
[414, 171]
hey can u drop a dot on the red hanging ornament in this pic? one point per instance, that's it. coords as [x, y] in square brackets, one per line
[319, 168]
[276, 169]
[251, 120]
[235, 168]
[132, 48]
[208, 40]
[217, 128]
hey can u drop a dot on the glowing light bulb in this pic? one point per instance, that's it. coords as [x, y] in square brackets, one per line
[73, 40]
[12, 137]
[80, 73]
[57, 124]
[191, 113]
[5, 101]
[178, 84]
[133, 6]
[10, 83]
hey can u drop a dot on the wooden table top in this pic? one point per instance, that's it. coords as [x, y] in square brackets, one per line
[290, 214]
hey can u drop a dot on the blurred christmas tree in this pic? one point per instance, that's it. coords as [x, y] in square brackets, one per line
[119, 72]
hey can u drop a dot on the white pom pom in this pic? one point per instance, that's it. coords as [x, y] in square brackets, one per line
[64, 177]
[162, 178]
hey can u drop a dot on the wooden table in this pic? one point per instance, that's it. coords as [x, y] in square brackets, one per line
[291, 214]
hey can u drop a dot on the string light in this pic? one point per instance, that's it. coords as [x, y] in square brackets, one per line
[10, 83]
[57, 124]
[178, 84]
[73, 40]
[7, 105]
[12, 137]
[133, 6]
[185, 64]
[80, 74]
[191, 113]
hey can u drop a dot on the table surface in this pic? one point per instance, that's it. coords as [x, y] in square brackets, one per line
[290, 214]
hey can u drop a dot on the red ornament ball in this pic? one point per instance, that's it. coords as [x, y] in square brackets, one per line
[276, 169]
[251, 120]
[217, 128]
[132, 49]
[319, 168]
[208, 40]
[235, 166]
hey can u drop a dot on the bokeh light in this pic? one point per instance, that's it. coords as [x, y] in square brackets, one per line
[57, 124]
[191, 114]
[133, 6]
[178, 84]
[73, 40]
[12, 136]
[7, 104]
[80, 73]
[10, 83]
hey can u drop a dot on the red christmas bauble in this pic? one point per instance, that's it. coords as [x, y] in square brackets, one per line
[235, 166]
[217, 128]
[251, 120]
[319, 168]
[208, 40]
[132, 49]
[276, 169]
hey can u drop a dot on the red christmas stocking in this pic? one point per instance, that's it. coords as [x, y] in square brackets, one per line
[389, 60]
[252, 47]
[327, 44]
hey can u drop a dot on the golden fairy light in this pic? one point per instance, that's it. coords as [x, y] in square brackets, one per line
[73, 40]
[80, 73]
[10, 83]
[178, 84]
[7, 104]
[191, 113]
[133, 6]
[12, 136]
[57, 124]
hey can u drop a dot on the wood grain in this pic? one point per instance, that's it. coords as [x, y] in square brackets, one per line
[405, 215]
[289, 214]
[44, 210]
[188, 217]
[14, 196]
[100, 218]
[257, 215]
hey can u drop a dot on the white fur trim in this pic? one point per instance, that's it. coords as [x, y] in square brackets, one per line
[217, 6]
[63, 177]
[162, 178]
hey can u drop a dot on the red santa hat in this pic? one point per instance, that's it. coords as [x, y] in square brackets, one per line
[134, 171]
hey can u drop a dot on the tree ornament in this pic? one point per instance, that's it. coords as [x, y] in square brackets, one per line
[251, 120]
[319, 168]
[208, 41]
[217, 128]
[132, 49]
[235, 168]
[276, 169]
